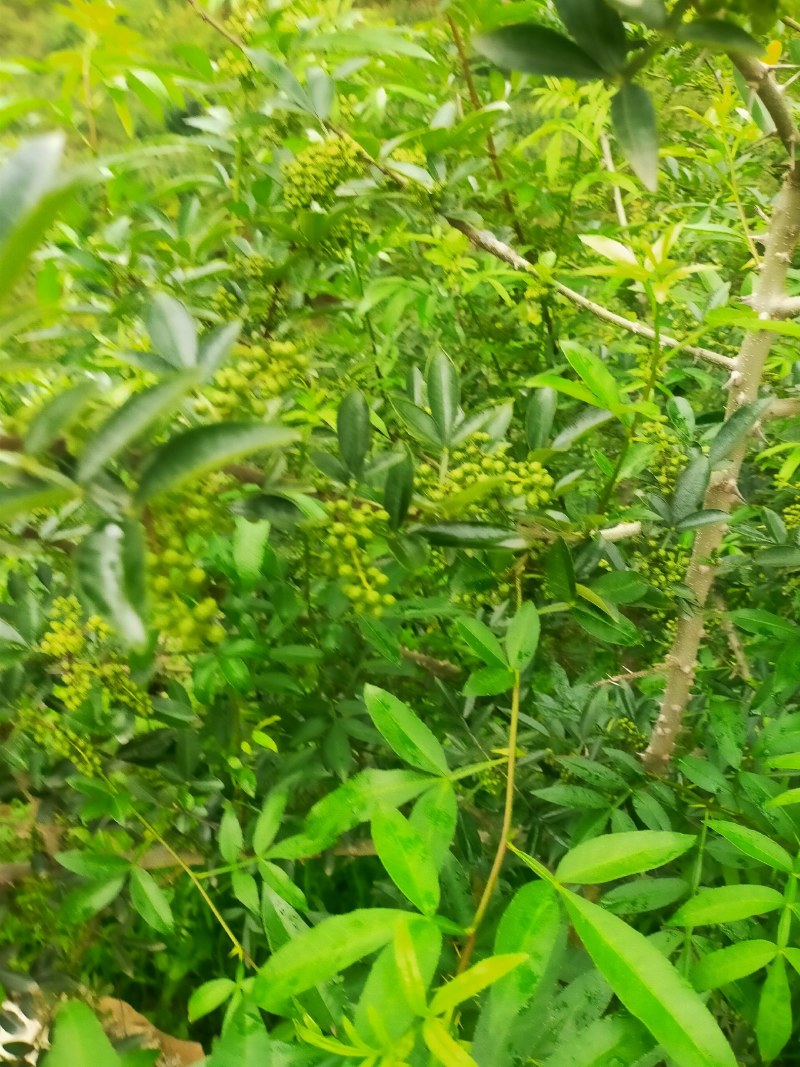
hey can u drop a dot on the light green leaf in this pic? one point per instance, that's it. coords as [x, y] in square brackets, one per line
[774, 1019]
[522, 636]
[353, 431]
[754, 844]
[480, 639]
[149, 900]
[133, 418]
[732, 963]
[489, 682]
[444, 392]
[321, 952]
[726, 904]
[612, 856]
[652, 13]
[173, 332]
[78, 1038]
[57, 415]
[230, 839]
[401, 850]
[474, 980]
[190, 454]
[537, 50]
[434, 817]
[269, 822]
[404, 732]
[209, 996]
[634, 119]
[110, 566]
[539, 416]
[444, 1047]
[249, 544]
[649, 987]
[10, 636]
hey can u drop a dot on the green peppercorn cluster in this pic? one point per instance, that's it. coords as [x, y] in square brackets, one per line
[791, 517]
[354, 531]
[662, 567]
[184, 611]
[626, 732]
[87, 662]
[47, 728]
[669, 458]
[520, 484]
[315, 174]
[256, 375]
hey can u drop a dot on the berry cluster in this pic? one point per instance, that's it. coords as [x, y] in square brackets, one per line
[509, 483]
[315, 174]
[625, 731]
[791, 517]
[258, 375]
[668, 457]
[664, 568]
[184, 611]
[47, 728]
[355, 532]
[88, 664]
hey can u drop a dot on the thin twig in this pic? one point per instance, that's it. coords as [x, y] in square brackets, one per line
[487, 241]
[491, 148]
[608, 161]
[237, 42]
[630, 676]
[439, 668]
[734, 641]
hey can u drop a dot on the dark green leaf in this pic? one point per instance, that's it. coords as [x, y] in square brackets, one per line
[480, 639]
[190, 454]
[444, 392]
[652, 13]
[404, 732]
[691, 488]
[149, 900]
[470, 535]
[398, 491]
[719, 36]
[522, 636]
[597, 29]
[407, 861]
[634, 119]
[735, 429]
[539, 416]
[537, 50]
[732, 963]
[353, 431]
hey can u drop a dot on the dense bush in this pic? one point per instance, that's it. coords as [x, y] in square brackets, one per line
[401, 522]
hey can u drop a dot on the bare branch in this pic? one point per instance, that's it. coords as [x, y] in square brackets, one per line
[760, 78]
[786, 308]
[487, 241]
[608, 161]
[237, 42]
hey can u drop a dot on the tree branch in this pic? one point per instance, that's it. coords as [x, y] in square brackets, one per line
[760, 78]
[487, 241]
[237, 42]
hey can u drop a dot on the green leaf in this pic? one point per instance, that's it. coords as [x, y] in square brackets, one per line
[690, 488]
[537, 50]
[444, 392]
[560, 572]
[89, 899]
[192, 453]
[620, 587]
[522, 636]
[269, 821]
[634, 119]
[57, 415]
[754, 844]
[774, 1019]
[407, 861]
[650, 987]
[109, 566]
[539, 415]
[404, 732]
[93, 865]
[353, 431]
[245, 888]
[434, 817]
[32, 495]
[321, 952]
[10, 636]
[593, 372]
[173, 332]
[250, 540]
[726, 904]
[732, 963]
[644, 894]
[612, 856]
[230, 838]
[398, 491]
[469, 535]
[652, 13]
[148, 899]
[78, 1038]
[735, 429]
[443, 1046]
[475, 980]
[135, 416]
[597, 29]
[480, 640]
[209, 996]
[215, 347]
[26, 177]
[488, 682]
[417, 421]
[719, 36]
